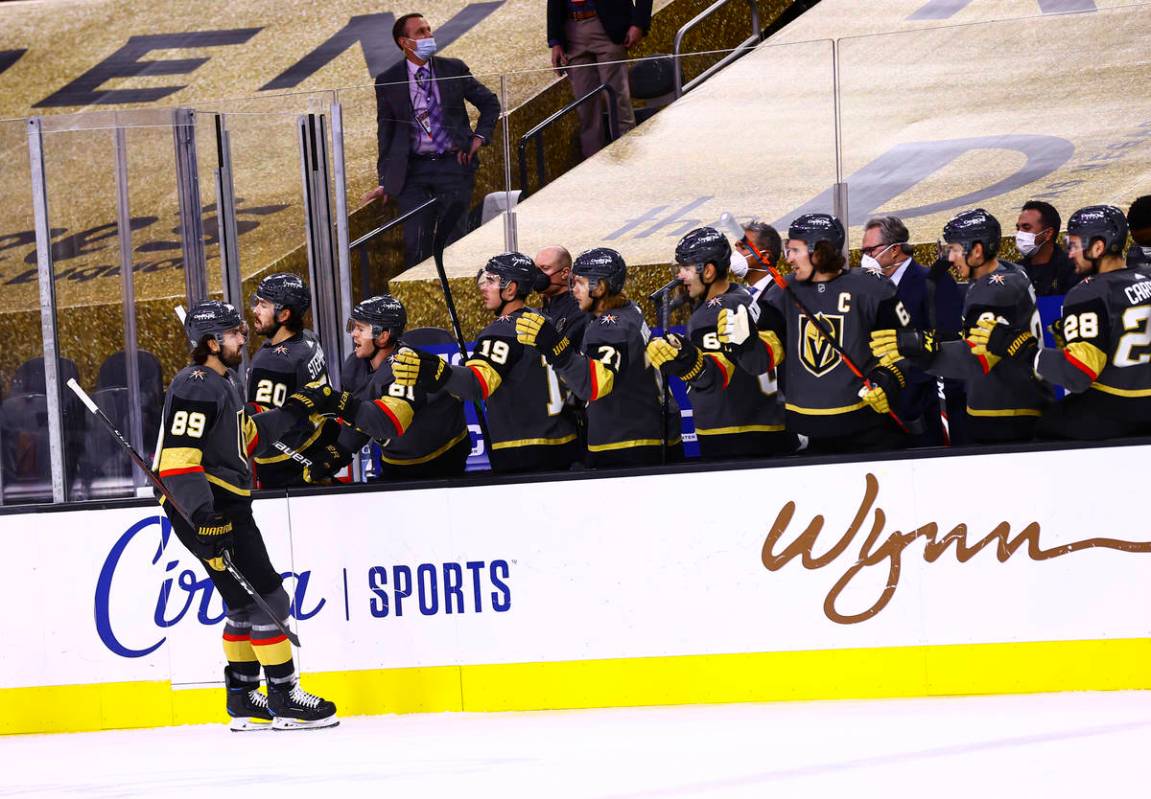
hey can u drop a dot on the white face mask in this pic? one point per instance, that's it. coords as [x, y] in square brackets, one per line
[869, 264]
[738, 263]
[1025, 242]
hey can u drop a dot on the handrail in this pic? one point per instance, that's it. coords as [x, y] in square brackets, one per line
[746, 44]
[537, 131]
[365, 239]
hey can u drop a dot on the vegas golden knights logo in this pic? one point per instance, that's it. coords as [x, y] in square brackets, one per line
[815, 352]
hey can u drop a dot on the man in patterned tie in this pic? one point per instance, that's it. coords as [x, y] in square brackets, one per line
[427, 147]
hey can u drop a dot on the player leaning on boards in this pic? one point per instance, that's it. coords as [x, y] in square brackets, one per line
[436, 444]
[1104, 358]
[290, 359]
[208, 434]
[610, 372]
[736, 414]
[1003, 400]
[825, 400]
[522, 399]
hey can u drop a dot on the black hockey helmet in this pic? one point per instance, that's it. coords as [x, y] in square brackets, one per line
[212, 318]
[976, 225]
[382, 312]
[284, 290]
[601, 263]
[703, 246]
[1105, 222]
[518, 268]
[814, 228]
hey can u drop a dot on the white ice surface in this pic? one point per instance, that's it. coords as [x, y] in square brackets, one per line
[1050, 745]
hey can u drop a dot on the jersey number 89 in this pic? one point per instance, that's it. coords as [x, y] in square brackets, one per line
[189, 424]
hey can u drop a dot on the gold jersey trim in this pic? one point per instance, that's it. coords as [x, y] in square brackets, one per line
[637, 442]
[748, 428]
[424, 459]
[1004, 412]
[224, 484]
[533, 442]
[825, 411]
[1122, 392]
[283, 456]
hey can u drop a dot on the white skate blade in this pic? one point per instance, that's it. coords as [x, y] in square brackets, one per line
[249, 724]
[285, 723]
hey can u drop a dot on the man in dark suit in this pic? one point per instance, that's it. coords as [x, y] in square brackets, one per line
[427, 147]
[587, 36]
[934, 303]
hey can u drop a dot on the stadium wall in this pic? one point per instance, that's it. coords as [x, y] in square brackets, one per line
[999, 572]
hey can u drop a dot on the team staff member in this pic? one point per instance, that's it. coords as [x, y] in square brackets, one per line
[610, 373]
[521, 393]
[207, 437]
[427, 146]
[436, 443]
[290, 359]
[825, 401]
[736, 414]
[1003, 400]
[1105, 359]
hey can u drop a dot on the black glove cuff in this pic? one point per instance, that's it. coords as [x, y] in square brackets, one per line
[560, 353]
[347, 406]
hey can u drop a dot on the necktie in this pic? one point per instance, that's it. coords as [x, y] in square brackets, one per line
[439, 133]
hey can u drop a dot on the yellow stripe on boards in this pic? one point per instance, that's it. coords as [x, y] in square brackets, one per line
[872, 673]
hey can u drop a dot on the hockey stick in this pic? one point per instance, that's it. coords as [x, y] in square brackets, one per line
[663, 297]
[295, 455]
[735, 231]
[444, 227]
[155, 480]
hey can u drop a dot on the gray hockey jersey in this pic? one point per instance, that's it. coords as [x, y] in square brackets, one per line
[276, 371]
[623, 391]
[821, 392]
[999, 397]
[208, 434]
[436, 427]
[732, 409]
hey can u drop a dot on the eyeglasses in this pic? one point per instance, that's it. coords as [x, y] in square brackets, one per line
[871, 250]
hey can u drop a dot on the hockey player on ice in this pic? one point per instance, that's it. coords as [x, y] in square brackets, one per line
[208, 434]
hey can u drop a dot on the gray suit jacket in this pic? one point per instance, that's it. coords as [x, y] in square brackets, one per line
[394, 115]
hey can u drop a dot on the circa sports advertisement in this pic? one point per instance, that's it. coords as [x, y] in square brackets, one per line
[982, 549]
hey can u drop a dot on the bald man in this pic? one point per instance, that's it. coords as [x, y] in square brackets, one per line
[559, 304]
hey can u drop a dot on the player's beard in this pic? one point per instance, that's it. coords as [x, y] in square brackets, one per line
[232, 358]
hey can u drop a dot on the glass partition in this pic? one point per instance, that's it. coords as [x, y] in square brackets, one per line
[985, 123]
[25, 467]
